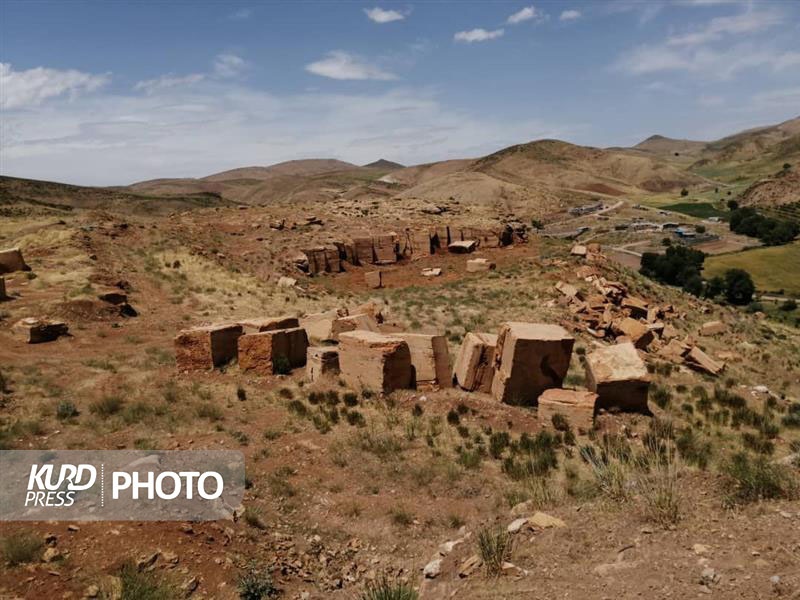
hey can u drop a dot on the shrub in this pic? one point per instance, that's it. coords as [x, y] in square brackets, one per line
[659, 488]
[453, 417]
[383, 589]
[256, 583]
[498, 442]
[66, 410]
[241, 393]
[692, 449]
[281, 365]
[789, 305]
[22, 547]
[106, 406]
[560, 422]
[661, 396]
[755, 478]
[298, 408]
[252, 516]
[207, 410]
[138, 585]
[350, 399]
[494, 548]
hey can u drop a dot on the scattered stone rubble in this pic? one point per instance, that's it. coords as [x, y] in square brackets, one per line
[608, 311]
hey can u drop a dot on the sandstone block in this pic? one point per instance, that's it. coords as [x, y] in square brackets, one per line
[203, 348]
[638, 332]
[578, 250]
[373, 279]
[319, 326]
[385, 248]
[474, 365]
[273, 351]
[321, 361]
[576, 405]
[269, 324]
[619, 377]
[477, 265]
[430, 358]
[36, 331]
[700, 361]
[363, 250]
[11, 260]
[360, 322]
[462, 246]
[431, 272]
[375, 361]
[713, 328]
[530, 358]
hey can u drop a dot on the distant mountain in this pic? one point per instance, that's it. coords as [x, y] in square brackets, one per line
[664, 146]
[384, 165]
[302, 168]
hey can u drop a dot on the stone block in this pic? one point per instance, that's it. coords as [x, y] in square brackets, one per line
[638, 332]
[36, 331]
[375, 361]
[203, 348]
[479, 265]
[360, 322]
[273, 351]
[576, 405]
[462, 246]
[373, 279]
[11, 260]
[713, 328]
[530, 358]
[474, 365]
[269, 324]
[430, 358]
[617, 374]
[319, 326]
[363, 249]
[385, 248]
[321, 362]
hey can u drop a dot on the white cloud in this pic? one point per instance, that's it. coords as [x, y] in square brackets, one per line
[19, 89]
[751, 21]
[525, 14]
[706, 62]
[150, 86]
[380, 15]
[570, 15]
[477, 35]
[229, 65]
[111, 139]
[241, 15]
[339, 64]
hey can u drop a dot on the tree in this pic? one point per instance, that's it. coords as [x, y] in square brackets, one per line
[789, 305]
[739, 287]
[715, 287]
[786, 166]
[693, 284]
[700, 228]
[733, 205]
[684, 192]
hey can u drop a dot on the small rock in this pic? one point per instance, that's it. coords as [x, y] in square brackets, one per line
[700, 549]
[50, 555]
[709, 576]
[541, 520]
[469, 566]
[516, 525]
[432, 569]
[92, 591]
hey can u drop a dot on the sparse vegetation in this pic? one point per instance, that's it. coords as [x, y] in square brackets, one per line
[494, 548]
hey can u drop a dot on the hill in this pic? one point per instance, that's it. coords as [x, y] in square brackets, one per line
[384, 165]
[19, 193]
[665, 147]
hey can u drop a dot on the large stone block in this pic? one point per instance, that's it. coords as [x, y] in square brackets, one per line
[373, 279]
[363, 250]
[321, 362]
[576, 405]
[11, 260]
[375, 361]
[619, 377]
[36, 331]
[474, 365]
[268, 324]
[462, 246]
[478, 265]
[530, 358]
[319, 326]
[421, 243]
[385, 248]
[360, 322]
[430, 358]
[639, 333]
[203, 348]
[273, 351]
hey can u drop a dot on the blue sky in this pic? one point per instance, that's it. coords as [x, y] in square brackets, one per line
[115, 92]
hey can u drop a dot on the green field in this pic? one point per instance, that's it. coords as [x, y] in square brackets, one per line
[773, 269]
[701, 210]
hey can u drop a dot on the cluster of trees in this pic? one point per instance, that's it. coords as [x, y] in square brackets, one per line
[772, 232]
[682, 267]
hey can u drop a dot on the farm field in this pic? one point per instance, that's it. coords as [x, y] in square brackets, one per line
[773, 269]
